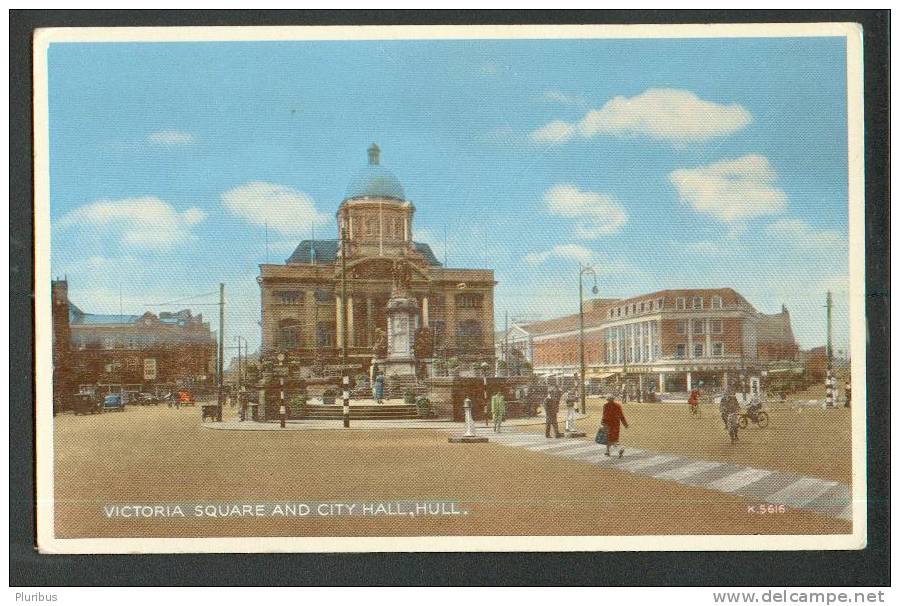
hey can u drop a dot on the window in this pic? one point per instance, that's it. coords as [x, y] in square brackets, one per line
[641, 307]
[626, 310]
[680, 303]
[680, 350]
[289, 297]
[716, 302]
[369, 226]
[289, 334]
[633, 307]
[324, 296]
[718, 349]
[715, 327]
[681, 327]
[698, 350]
[439, 329]
[468, 301]
[698, 303]
[468, 336]
[325, 334]
[659, 303]
[610, 313]
[108, 343]
[697, 327]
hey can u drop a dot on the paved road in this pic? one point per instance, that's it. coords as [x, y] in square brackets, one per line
[825, 497]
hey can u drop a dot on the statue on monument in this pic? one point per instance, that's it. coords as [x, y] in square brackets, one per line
[402, 276]
[379, 348]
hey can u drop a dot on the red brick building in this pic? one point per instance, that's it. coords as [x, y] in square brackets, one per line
[663, 341]
[122, 352]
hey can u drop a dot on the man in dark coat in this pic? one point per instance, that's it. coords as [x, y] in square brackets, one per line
[613, 416]
[551, 409]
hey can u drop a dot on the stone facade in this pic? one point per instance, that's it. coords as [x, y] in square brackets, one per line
[304, 316]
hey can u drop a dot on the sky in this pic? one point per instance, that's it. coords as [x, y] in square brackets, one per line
[689, 163]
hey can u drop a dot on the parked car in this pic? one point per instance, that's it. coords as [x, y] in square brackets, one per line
[114, 401]
[83, 404]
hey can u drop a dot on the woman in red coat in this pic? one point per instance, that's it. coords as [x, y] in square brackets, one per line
[612, 416]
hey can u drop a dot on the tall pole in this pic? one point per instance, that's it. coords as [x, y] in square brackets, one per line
[581, 338]
[506, 341]
[345, 377]
[829, 353]
[221, 344]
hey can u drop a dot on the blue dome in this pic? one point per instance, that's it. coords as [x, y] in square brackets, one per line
[375, 181]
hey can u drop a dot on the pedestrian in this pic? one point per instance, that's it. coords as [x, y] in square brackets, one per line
[612, 417]
[378, 388]
[847, 394]
[498, 410]
[694, 401]
[551, 409]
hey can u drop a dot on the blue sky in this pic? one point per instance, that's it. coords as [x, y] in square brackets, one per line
[665, 163]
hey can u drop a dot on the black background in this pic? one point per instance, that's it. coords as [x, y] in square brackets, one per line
[869, 567]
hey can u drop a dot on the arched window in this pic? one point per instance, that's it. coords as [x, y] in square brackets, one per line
[469, 336]
[289, 334]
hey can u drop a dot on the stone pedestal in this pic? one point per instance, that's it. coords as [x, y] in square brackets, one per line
[402, 320]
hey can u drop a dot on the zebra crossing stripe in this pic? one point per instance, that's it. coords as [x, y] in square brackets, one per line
[739, 479]
[686, 471]
[801, 492]
[646, 462]
[576, 449]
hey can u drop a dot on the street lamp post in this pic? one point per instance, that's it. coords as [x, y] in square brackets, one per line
[345, 377]
[583, 269]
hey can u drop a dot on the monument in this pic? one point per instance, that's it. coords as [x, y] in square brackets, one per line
[402, 324]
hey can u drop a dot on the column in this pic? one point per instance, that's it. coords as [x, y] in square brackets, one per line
[339, 320]
[424, 312]
[690, 336]
[406, 227]
[351, 337]
[370, 322]
[662, 382]
[707, 329]
[688, 381]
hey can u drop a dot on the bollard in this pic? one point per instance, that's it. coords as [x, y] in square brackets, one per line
[469, 435]
[571, 430]
[346, 398]
[282, 412]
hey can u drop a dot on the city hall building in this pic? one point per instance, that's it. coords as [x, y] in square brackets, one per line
[305, 318]
[664, 341]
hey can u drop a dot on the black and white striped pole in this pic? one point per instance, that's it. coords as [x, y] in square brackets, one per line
[346, 397]
[829, 374]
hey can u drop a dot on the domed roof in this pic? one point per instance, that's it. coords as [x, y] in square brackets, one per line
[375, 181]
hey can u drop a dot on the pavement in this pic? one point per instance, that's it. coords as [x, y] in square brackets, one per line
[825, 497]
[796, 491]
[234, 424]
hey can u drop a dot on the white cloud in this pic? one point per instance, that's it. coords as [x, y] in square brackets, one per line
[598, 213]
[146, 222]
[287, 211]
[568, 252]
[554, 133]
[802, 235]
[665, 114]
[731, 190]
[171, 138]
